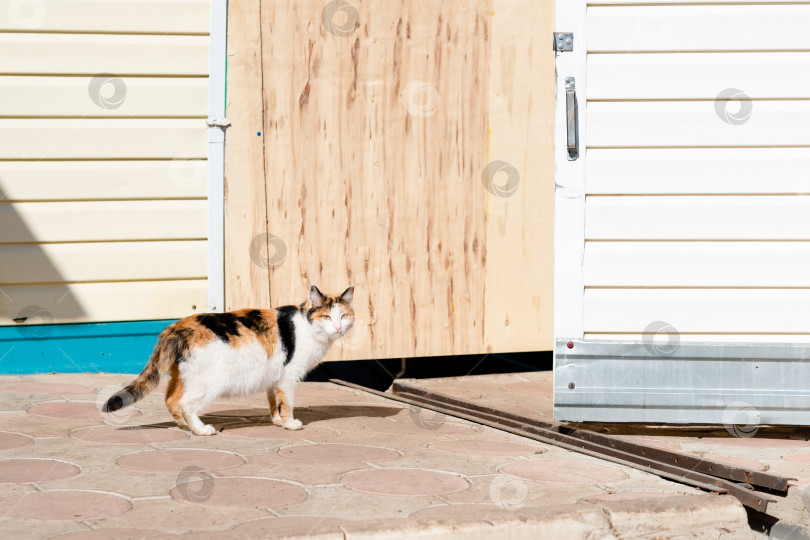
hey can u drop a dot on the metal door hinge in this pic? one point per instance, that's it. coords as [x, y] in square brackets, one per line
[563, 41]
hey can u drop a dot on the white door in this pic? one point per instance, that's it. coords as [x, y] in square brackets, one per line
[682, 290]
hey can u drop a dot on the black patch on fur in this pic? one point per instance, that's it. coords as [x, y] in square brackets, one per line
[176, 345]
[254, 320]
[223, 325]
[286, 329]
[123, 398]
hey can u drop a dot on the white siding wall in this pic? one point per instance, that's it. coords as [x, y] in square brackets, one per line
[103, 178]
[692, 220]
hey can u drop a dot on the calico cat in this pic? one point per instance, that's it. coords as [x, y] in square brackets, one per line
[241, 353]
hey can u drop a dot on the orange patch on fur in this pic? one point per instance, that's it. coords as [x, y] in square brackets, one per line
[283, 406]
[173, 394]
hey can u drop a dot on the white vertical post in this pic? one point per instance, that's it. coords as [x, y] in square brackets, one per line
[569, 178]
[216, 155]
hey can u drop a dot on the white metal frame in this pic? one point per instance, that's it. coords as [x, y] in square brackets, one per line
[569, 195]
[216, 155]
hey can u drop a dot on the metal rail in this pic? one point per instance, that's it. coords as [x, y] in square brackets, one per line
[687, 461]
[602, 448]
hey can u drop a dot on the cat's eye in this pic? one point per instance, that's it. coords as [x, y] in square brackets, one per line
[344, 316]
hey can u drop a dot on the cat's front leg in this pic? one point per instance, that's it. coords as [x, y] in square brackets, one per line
[285, 399]
[271, 399]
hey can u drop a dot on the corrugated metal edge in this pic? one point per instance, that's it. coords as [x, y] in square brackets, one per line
[738, 385]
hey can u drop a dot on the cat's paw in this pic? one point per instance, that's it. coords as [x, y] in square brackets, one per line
[207, 429]
[293, 425]
[277, 420]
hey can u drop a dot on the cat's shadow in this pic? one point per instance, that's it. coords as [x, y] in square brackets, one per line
[318, 415]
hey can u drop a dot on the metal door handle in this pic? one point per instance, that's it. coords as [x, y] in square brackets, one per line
[571, 118]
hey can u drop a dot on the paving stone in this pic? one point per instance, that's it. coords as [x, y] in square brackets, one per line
[239, 492]
[404, 482]
[485, 448]
[431, 423]
[297, 525]
[171, 516]
[338, 453]
[81, 410]
[9, 440]
[116, 534]
[35, 470]
[122, 435]
[63, 505]
[564, 472]
[175, 460]
[402, 459]
[42, 388]
[276, 433]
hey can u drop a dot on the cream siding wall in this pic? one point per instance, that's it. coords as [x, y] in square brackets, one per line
[103, 176]
[690, 220]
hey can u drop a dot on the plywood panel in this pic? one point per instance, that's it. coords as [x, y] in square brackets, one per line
[699, 28]
[132, 97]
[153, 16]
[102, 261]
[91, 54]
[698, 171]
[103, 180]
[93, 302]
[699, 218]
[519, 226]
[102, 220]
[247, 260]
[392, 203]
[697, 123]
[25, 139]
[697, 264]
[782, 75]
[724, 311]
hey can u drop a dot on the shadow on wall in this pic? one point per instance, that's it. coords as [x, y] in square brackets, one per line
[33, 291]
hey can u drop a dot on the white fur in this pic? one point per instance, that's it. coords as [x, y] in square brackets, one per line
[218, 369]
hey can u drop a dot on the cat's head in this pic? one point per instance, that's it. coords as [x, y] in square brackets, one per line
[331, 316]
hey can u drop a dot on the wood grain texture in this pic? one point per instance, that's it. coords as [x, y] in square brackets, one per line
[377, 134]
[246, 259]
[520, 227]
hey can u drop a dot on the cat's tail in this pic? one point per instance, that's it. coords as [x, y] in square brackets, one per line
[171, 347]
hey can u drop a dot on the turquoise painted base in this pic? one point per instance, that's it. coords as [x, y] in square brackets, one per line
[117, 347]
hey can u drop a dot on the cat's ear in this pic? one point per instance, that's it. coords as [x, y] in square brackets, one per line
[315, 297]
[348, 295]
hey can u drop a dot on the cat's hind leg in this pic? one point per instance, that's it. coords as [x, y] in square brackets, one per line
[285, 399]
[190, 405]
[173, 394]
